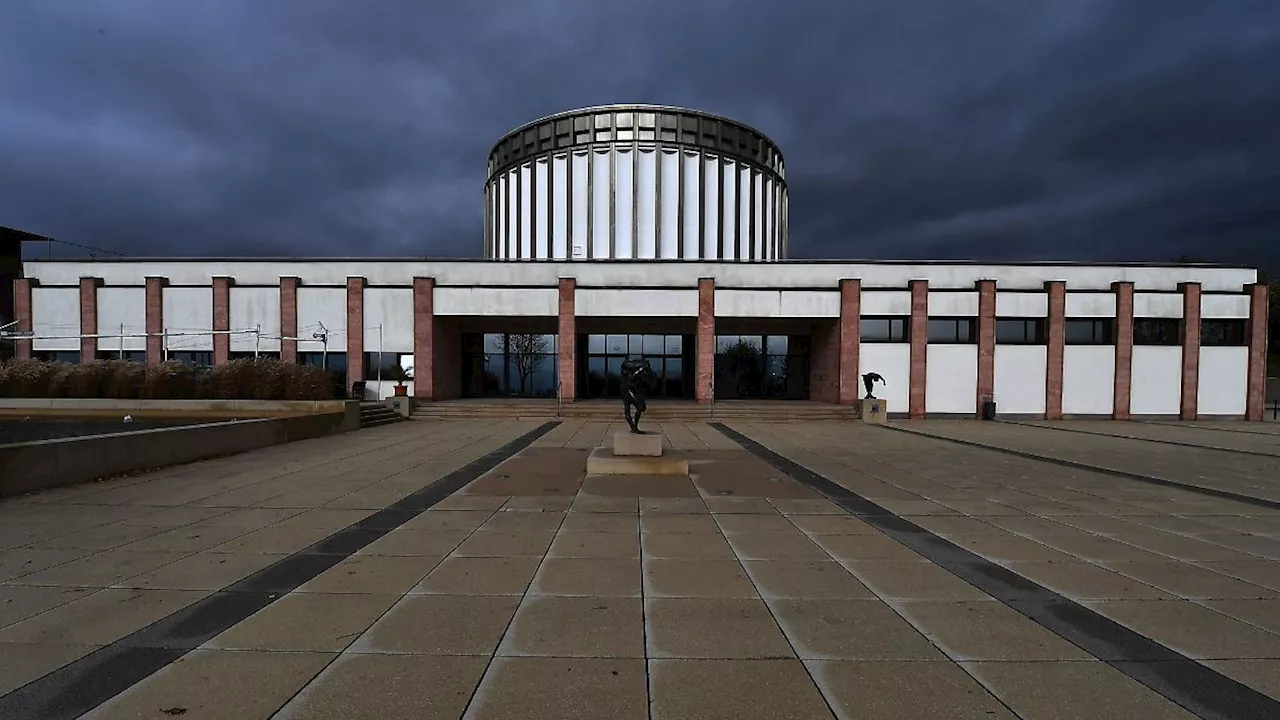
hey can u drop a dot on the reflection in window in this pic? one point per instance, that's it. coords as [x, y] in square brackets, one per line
[1224, 332]
[1020, 331]
[1156, 331]
[1089, 331]
[884, 329]
[951, 330]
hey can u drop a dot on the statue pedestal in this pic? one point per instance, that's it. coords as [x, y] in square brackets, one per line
[875, 411]
[634, 455]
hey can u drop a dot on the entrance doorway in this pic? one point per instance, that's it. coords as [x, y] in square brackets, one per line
[670, 355]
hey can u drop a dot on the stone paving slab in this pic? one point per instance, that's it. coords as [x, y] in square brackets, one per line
[708, 598]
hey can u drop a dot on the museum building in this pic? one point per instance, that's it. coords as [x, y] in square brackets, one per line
[657, 232]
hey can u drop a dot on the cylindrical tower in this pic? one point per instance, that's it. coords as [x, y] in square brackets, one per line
[635, 182]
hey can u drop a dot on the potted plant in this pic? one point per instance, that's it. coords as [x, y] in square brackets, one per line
[400, 375]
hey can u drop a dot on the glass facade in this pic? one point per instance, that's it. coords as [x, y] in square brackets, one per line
[670, 355]
[510, 365]
[762, 366]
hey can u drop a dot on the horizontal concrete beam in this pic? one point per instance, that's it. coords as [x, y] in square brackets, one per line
[31, 466]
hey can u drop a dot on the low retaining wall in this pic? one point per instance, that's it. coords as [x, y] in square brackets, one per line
[25, 467]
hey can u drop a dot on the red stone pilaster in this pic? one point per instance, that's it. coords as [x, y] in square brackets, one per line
[89, 318]
[919, 346]
[424, 325]
[1056, 348]
[155, 319]
[22, 313]
[355, 331]
[1124, 349]
[1257, 337]
[288, 319]
[567, 364]
[1190, 350]
[221, 319]
[986, 341]
[850, 339]
[705, 360]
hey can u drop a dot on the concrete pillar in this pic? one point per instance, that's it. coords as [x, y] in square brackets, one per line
[221, 319]
[155, 319]
[288, 319]
[919, 346]
[1257, 338]
[1056, 348]
[1190, 350]
[355, 331]
[89, 317]
[567, 362]
[705, 360]
[986, 341]
[1124, 349]
[850, 340]
[424, 325]
[22, 313]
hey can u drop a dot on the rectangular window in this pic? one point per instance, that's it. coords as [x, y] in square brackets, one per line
[952, 330]
[884, 329]
[57, 356]
[138, 356]
[262, 355]
[1020, 331]
[1224, 332]
[197, 357]
[374, 361]
[1089, 331]
[1156, 331]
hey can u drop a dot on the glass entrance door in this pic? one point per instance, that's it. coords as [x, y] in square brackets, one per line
[665, 353]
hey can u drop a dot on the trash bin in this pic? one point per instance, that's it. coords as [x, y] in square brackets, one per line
[989, 408]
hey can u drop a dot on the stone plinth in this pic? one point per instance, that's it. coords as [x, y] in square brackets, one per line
[400, 404]
[874, 411]
[627, 444]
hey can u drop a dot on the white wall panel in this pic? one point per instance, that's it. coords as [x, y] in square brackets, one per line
[953, 304]
[769, 217]
[952, 379]
[777, 303]
[669, 212]
[1157, 305]
[581, 201]
[1022, 304]
[1157, 381]
[646, 192]
[1224, 381]
[327, 305]
[1088, 379]
[692, 215]
[886, 302]
[1091, 305]
[623, 210]
[526, 211]
[393, 309]
[758, 204]
[561, 192]
[596, 302]
[512, 218]
[122, 308]
[55, 311]
[1224, 306]
[601, 181]
[729, 204]
[711, 209]
[1020, 378]
[745, 210]
[255, 307]
[523, 302]
[542, 207]
[189, 309]
[893, 362]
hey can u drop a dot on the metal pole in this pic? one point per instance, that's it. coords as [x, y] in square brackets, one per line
[164, 343]
[380, 358]
[121, 341]
[257, 340]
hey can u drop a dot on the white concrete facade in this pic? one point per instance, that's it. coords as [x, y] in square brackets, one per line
[608, 291]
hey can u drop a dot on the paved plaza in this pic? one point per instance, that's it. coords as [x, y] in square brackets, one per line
[432, 569]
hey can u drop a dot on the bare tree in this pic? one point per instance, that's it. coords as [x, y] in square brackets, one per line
[527, 352]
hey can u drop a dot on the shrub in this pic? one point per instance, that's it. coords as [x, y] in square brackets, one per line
[245, 379]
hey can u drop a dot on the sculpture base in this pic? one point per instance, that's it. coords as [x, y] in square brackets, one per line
[629, 443]
[875, 411]
[604, 461]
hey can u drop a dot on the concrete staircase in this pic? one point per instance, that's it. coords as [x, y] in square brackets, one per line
[611, 410]
[375, 414]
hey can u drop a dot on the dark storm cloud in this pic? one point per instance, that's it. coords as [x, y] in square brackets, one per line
[997, 129]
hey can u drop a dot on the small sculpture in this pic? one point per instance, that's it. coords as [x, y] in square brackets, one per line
[637, 376]
[869, 379]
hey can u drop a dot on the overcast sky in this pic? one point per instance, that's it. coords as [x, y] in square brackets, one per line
[975, 129]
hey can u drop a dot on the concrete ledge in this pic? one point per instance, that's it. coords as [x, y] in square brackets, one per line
[602, 461]
[628, 444]
[97, 407]
[26, 467]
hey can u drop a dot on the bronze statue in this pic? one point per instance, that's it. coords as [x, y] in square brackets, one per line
[637, 375]
[870, 379]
